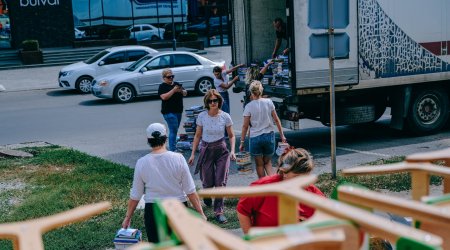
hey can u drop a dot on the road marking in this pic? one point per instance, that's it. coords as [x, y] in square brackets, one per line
[364, 152]
[2, 88]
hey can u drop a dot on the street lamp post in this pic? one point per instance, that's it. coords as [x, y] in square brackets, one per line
[132, 20]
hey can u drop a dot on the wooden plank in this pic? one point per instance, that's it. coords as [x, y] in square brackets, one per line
[27, 235]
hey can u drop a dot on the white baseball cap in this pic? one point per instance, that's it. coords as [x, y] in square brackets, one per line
[156, 127]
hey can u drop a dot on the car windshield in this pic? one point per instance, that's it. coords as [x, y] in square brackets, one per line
[138, 63]
[97, 56]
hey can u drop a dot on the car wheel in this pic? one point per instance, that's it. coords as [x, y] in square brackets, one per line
[203, 85]
[124, 93]
[155, 37]
[83, 84]
[428, 112]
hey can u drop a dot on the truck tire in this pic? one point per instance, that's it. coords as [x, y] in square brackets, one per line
[351, 115]
[428, 112]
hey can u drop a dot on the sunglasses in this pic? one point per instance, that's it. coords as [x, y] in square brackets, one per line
[213, 101]
[170, 77]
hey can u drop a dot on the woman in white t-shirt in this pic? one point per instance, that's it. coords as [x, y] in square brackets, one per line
[214, 159]
[261, 114]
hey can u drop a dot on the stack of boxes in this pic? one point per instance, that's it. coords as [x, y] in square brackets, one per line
[280, 72]
[277, 74]
[185, 140]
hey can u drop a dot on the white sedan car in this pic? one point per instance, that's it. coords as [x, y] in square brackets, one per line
[144, 76]
[146, 32]
[79, 75]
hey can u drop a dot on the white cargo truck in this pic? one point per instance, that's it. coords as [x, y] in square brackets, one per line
[390, 53]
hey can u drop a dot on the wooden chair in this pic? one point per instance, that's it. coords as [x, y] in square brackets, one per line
[433, 219]
[290, 193]
[420, 174]
[27, 235]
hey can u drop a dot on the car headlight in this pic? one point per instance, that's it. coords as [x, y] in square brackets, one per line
[103, 83]
[66, 73]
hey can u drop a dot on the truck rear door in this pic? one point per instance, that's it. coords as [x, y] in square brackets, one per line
[310, 27]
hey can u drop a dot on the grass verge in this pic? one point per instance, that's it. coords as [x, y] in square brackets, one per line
[58, 179]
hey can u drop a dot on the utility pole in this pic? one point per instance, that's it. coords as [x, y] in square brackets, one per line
[174, 41]
[332, 96]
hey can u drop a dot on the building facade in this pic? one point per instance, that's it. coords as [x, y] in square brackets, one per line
[58, 23]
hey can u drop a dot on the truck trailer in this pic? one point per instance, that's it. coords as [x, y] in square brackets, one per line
[389, 53]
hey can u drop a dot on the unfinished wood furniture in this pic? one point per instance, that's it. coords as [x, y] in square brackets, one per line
[433, 157]
[433, 219]
[27, 235]
[420, 174]
[290, 193]
[322, 232]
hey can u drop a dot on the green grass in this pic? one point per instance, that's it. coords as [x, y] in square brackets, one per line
[57, 179]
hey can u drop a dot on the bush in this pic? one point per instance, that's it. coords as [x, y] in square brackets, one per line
[185, 37]
[119, 34]
[30, 45]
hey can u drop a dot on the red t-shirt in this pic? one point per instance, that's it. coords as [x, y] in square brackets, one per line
[263, 210]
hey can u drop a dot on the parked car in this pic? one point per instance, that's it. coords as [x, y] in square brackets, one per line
[79, 75]
[144, 76]
[79, 34]
[146, 32]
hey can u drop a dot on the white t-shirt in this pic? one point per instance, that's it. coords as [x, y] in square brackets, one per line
[213, 126]
[218, 82]
[162, 176]
[260, 112]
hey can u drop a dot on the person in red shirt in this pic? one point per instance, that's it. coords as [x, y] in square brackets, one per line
[263, 211]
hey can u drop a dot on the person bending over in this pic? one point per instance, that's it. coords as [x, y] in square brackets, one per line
[263, 211]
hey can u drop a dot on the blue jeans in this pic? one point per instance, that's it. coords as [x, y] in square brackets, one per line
[173, 121]
[262, 145]
[226, 101]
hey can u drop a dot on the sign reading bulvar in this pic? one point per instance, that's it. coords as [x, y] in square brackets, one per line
[33, 3]
[48, 21]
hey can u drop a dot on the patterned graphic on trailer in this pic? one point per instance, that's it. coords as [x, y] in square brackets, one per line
[393, 53]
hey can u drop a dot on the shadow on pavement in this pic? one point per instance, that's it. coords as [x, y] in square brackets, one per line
[63, 92]
[101, 101]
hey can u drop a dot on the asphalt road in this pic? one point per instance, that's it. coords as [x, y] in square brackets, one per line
[117, 131]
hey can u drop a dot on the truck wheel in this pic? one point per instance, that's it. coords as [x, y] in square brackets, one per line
[124, 93]
[428, 112]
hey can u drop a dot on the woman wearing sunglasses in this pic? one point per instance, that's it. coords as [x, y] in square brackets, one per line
[261, 114]
[214, 159]
[263, 211]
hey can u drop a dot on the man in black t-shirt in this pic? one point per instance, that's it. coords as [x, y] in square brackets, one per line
[171, 94]
[281, 33]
